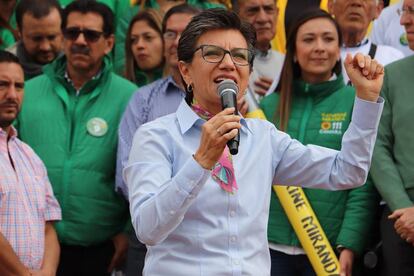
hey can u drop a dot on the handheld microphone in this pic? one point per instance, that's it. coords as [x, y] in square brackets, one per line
[227, 90]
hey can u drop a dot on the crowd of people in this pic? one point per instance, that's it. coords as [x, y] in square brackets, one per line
[113, 138]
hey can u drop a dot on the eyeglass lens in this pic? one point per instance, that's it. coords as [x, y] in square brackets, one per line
[215, 54]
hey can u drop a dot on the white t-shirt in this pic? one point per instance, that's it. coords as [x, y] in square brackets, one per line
[388, 31]
[268, 65]
[384, 54]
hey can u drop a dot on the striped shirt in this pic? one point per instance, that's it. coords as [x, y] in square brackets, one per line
[159, 98]
[26, 200]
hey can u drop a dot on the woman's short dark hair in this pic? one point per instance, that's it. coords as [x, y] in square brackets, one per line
[291, 69]
[212, 19]
[208, 20]
[153, 18]
[87, 6]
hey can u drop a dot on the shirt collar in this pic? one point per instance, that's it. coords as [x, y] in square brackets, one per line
[69, 80]
[262, 54]
[12, 134]
[360, 44]
[169, 82]
[187, 118]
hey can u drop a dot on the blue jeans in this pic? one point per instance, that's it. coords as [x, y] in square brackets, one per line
[290, 265]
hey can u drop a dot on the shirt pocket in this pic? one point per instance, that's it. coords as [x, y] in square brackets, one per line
[5, 195]
[4, 191]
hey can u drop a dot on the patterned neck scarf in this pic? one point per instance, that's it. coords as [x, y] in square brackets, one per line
[223, 170]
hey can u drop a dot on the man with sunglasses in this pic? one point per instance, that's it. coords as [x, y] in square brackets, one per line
[71, 118]
[393, 160]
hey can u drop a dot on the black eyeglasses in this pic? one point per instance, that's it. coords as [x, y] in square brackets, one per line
[215, 54]
[74, 32]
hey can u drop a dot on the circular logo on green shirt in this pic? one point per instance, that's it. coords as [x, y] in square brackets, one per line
[97, 127]
[403, 39]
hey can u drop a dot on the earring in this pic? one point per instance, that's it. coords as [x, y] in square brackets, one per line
[189, 88]
[295, 60]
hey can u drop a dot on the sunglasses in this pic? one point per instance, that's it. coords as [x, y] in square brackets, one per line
[89, 35]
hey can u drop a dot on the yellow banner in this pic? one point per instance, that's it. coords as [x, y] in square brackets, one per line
[309, 231]
[258, 113]
[305, 223]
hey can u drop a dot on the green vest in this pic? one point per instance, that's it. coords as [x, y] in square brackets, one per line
[76, 137]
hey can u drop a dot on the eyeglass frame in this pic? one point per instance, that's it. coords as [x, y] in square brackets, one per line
[84, 31]
[406, 11]
[172, 37]
[249, 61]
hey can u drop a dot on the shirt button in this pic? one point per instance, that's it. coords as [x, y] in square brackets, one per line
[172, 212]
[232, 213]
[236, 262]
[233, 238]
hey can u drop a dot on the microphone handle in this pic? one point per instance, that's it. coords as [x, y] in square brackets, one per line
[228, 99]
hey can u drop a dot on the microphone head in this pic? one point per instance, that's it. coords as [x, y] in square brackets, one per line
[227, 85]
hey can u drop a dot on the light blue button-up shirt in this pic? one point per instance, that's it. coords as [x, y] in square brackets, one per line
[193, 227]
[159, 98]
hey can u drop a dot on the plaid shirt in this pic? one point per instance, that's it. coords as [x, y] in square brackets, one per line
[26, 200]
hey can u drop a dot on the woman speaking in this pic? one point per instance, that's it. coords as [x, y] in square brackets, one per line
[201, 211]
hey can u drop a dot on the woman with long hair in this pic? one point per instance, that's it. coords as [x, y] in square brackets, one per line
[313, 105]
[144, 48]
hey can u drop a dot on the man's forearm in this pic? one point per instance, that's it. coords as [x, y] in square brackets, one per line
[9, 262]
[52, 250]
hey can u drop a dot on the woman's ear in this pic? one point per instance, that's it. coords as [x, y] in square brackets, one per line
[185, 72]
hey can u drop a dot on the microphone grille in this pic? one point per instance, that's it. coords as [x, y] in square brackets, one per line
[226, 85]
